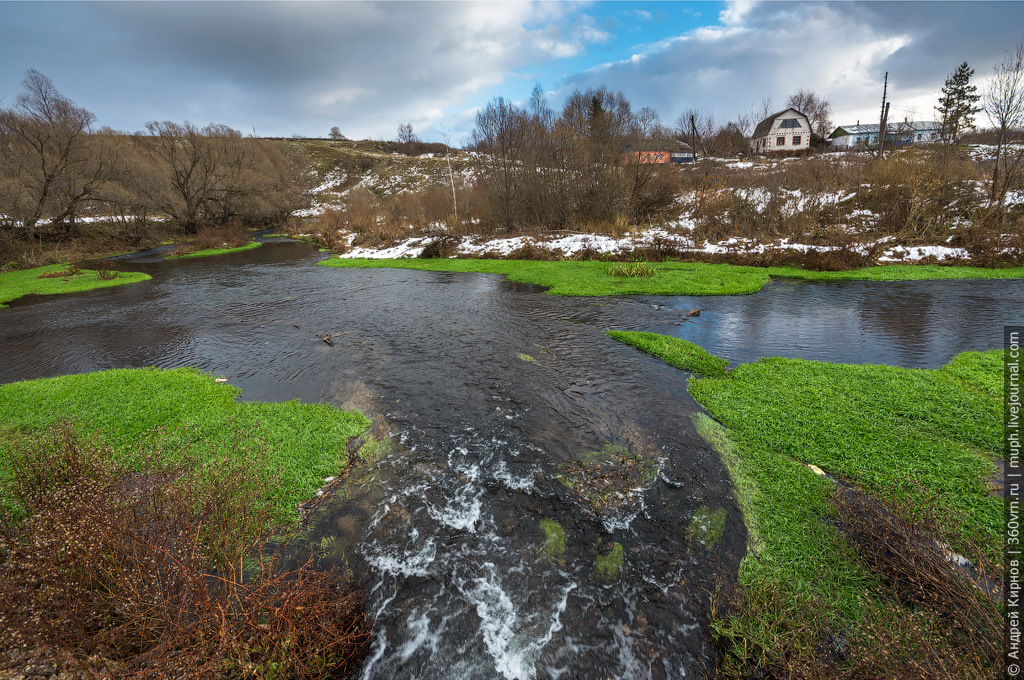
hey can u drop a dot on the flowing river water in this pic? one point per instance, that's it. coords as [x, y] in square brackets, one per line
[489, 389]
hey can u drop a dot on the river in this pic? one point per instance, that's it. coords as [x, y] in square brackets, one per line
[490, 389]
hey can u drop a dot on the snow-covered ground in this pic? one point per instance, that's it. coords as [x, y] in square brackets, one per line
[677, 234]
[570, 245]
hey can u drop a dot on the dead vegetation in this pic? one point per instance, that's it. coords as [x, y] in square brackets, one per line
[609, 478]
[931, 615]
[144, 569]
[849, 209]
[231, 235]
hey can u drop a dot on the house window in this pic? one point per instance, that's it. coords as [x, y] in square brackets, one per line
[796, 140]
[780, 141]
[919, 136]
[791, 123]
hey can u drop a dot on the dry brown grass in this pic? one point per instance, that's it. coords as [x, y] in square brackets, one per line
[159, 570]
[927, 619]
[70, 269]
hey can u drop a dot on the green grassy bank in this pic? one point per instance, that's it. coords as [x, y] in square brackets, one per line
[14, 285]
[887, 430]
[216, 251]
[568, 277]
[302, 442]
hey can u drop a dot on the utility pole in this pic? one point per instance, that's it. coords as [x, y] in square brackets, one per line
[883, 122]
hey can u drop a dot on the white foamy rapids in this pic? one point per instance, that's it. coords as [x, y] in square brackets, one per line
[510, 636]
[502, 474]
[463, 514]
[419, 635]
[624, 517]
[380, 640]
[462, 509]
[399, 562]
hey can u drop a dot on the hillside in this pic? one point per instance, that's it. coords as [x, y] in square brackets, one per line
[826, 211]
[378, 167]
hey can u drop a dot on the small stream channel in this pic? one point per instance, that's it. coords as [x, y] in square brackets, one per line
[489, 389]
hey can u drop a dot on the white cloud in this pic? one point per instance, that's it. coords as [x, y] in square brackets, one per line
[368, 66]
[772, 49]
[302, 66]
[344, 95]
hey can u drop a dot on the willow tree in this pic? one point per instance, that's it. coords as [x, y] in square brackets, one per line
[1004, 104]
[49, 165]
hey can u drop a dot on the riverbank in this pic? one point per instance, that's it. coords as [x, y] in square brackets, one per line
[817, 451]
[122, 491]
[587, 278]
[207, 252]
[56, 279]
[302, 443]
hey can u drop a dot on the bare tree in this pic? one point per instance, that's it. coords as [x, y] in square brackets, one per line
[451, 175]
[817, 109]
[1003, 101]
[501, 133]
[697, 127]
[405, 134]
[49, 166]
[336, 133]
[202, 173]
[747, 121]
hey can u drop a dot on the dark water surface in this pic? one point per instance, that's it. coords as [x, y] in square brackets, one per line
[488, 387]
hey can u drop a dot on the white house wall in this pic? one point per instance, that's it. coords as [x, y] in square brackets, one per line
[769, 142]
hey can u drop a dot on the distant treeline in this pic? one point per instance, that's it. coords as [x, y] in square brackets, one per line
[55, 170]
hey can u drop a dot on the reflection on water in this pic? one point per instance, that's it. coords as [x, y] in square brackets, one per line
[917, 324]
[488, 387]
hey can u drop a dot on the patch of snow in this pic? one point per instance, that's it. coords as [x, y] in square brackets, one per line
[913, 253]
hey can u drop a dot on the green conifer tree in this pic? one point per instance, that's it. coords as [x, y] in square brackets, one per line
[958, 104]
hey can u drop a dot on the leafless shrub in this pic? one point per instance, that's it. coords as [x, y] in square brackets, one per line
[70, 269]
[928, 619]
[919, 194]
[158, 565]
[104, 272]
[994, 238]
[531, 251]
[948, 625]
[443, 246]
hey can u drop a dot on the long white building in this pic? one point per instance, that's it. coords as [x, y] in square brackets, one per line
[899, 134]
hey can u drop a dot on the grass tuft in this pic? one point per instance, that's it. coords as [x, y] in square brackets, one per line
[629, 270]
[55, 279]
[570, 277]
[679, 353]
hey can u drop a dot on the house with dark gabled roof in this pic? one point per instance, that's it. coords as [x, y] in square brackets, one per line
[787, 130]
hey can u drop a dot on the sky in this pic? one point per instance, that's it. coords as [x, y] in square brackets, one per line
[301, 68]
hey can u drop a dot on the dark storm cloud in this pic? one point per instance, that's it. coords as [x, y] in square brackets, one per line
[945, 34]
[840, 50]
[362, 66]
[298, 67]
